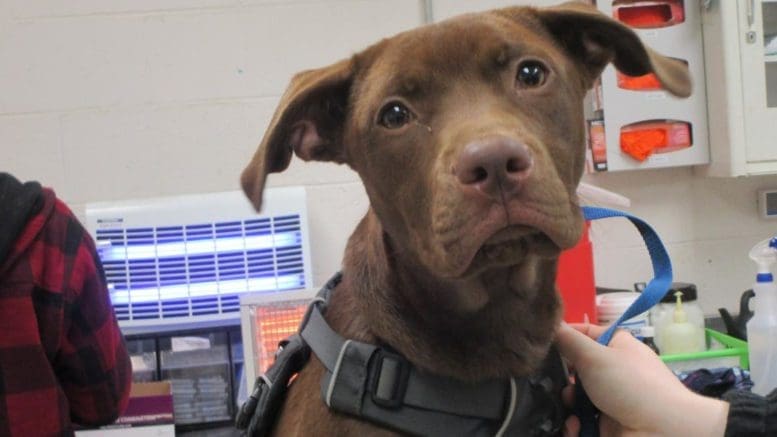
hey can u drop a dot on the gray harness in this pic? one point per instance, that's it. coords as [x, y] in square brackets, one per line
[376, 384]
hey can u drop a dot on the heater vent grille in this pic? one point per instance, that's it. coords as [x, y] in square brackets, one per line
[199, 269]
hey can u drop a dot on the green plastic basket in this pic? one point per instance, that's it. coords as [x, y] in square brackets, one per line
[732, 347]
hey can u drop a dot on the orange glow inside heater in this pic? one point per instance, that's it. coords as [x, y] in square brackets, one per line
[273, 324]
[648, 14]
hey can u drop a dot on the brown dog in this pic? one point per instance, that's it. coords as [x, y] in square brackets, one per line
[468, 136]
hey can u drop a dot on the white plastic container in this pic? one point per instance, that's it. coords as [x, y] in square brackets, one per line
[681, 336]
[610, 306]
[762, 327]
[661, 314]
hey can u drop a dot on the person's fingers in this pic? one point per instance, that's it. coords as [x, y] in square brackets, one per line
[592, 331]
[574, 345]
[609, 427]
[572, 426]
[568, 396]
[622, 339]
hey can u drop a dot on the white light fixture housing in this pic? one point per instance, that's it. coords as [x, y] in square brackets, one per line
[184, 261]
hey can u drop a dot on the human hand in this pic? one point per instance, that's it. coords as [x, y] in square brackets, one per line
[635, 391]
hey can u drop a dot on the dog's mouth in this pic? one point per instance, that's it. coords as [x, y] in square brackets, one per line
[510, 246]
[498, 236]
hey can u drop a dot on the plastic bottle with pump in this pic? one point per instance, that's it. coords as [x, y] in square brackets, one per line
[762, 327]
[680, 336]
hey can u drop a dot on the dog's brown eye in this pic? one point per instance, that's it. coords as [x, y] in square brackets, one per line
[531, 74]
[395, 115]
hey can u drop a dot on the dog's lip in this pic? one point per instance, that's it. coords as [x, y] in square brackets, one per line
[530, 238]
[509, 234]
[518, 240]
[498, 242]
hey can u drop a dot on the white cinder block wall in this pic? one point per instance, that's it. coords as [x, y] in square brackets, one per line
[138, 98]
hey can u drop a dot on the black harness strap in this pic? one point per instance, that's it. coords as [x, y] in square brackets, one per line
[381, 386]
[367, 381]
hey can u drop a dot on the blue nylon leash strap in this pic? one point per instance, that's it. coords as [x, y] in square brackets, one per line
[650, 296]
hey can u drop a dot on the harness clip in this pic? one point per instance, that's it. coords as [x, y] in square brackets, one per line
[389, 376]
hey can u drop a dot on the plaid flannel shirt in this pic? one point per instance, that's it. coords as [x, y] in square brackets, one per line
[62, 356]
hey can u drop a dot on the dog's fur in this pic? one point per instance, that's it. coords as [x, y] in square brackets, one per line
[453, 270]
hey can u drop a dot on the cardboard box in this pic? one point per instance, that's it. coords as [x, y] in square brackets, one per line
[149, 413]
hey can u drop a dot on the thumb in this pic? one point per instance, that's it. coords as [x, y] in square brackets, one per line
[576, 346]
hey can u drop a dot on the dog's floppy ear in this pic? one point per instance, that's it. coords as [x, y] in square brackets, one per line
[308, 121]
[595, 39]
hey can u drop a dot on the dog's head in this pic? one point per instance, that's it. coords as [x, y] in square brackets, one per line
[468, 134]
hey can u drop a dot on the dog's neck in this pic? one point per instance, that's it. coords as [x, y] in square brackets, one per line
[386, 296]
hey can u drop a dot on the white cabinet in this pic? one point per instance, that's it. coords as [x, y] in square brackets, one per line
[740, 40]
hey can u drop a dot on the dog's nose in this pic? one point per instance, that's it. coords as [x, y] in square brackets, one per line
[494, 165]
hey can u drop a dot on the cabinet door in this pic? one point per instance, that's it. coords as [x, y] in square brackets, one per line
[758, 44]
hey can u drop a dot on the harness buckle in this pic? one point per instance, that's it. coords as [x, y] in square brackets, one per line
[389, 375]
[258, 414]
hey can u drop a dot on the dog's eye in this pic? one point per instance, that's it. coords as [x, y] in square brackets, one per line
[531, 74]
[395, 115]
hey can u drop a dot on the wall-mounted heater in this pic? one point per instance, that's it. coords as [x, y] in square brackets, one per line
[176, 261]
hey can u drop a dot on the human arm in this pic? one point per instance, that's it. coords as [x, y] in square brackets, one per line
[751, 415]
[92, 364]
[635, 391]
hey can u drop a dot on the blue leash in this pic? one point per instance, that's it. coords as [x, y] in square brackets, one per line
[650, 296]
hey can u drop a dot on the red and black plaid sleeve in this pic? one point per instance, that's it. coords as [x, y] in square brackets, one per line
[62, 357]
